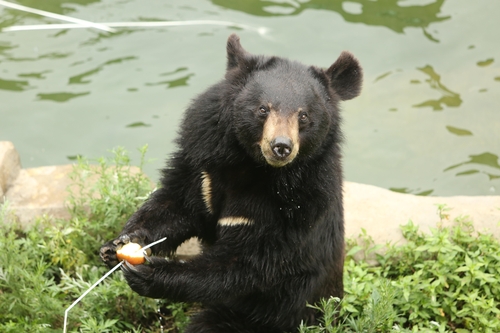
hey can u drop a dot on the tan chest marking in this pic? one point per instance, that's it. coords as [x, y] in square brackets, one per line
[234, 220]
[206, 191]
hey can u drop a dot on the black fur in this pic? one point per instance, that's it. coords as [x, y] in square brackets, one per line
[256, 277]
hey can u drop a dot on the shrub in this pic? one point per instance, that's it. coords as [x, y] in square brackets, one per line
[445, 281]
[45, 268]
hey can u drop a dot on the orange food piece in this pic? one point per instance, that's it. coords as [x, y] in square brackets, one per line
[131, 252]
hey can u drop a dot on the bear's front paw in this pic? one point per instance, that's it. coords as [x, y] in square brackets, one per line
[108, 250]
[142, 278]
[107, 253]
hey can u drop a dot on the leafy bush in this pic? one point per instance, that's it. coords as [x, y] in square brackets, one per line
[45, 268]
[445, 281]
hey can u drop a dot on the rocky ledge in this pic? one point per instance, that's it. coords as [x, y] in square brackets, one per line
[36, 191]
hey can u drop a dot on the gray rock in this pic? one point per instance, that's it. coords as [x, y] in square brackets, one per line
[189, 248]
[44, 191]
[39, 191]
[380, 212]
[10, 165]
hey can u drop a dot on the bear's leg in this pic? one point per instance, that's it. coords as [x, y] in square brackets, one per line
[222, 321]
[212, 321]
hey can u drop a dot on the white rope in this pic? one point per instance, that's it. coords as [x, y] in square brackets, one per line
[260, 30]
[152, 244]
[88, 290]
[100, 280]
[79, 22]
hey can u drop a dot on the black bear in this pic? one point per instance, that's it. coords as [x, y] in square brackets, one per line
[257, 177]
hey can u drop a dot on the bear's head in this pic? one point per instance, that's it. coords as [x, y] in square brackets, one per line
[283, 110]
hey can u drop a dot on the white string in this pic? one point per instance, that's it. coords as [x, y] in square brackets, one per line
[81, 23]
[100, 280]
[152, 244]
[85, 293]
[260, 30]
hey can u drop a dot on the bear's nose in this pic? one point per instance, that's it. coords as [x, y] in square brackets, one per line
[281, 146]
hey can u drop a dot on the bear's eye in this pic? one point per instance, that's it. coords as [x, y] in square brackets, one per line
[262, 110]
[303, 117]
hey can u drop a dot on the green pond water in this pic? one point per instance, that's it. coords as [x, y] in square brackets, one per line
[427, 121]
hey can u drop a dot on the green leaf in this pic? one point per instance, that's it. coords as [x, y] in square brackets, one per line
[355, 249]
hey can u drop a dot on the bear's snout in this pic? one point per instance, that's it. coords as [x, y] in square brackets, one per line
[280, 138]
[281, 147]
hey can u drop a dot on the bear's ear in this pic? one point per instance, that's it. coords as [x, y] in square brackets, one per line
[236, 54]
[346, 76]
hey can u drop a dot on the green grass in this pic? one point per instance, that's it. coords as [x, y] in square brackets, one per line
[446, 281]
